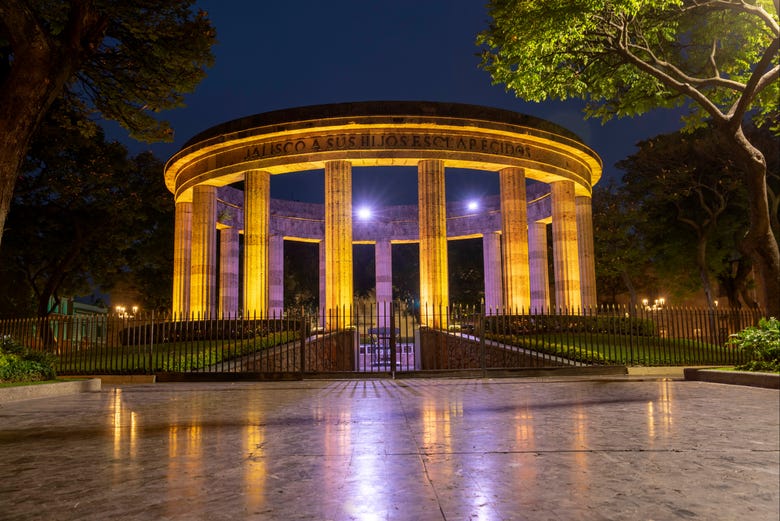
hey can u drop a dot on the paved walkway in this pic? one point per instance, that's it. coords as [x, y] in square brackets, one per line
[536, 449]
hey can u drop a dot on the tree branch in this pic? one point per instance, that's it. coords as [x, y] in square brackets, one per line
[743, 7]
[758, 80]
[622, 48]
[20, 24]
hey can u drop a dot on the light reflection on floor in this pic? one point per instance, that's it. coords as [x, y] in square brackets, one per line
[376, 450]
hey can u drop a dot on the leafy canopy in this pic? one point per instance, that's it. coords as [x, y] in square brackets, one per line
[129, 59]
[85, 215]
[625, 57]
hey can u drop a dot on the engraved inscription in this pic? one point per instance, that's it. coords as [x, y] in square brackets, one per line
[388, 140]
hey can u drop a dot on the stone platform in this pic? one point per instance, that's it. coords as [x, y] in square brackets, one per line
[597, 448]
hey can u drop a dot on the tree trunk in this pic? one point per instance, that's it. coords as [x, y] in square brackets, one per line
[759, 241]
[24, 99]
[633, 298]
[39, 72]
[701, 263]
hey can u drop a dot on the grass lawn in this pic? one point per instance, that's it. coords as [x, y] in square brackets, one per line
[623, 349]
[172, 356]
[21, 384]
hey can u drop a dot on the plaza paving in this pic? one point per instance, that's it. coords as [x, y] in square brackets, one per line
[532, 448]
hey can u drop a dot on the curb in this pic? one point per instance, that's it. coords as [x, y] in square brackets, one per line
[123, 379]
[660, 372]
[749, 378]
[29, 392]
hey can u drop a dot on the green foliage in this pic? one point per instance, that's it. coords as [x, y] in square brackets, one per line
[626, 57]
[616, 349]
[209, 353]
[135, 58]
[623, 262]
[555, 348]
[466, 281]
[171, 356]
[85, 214]
[536, 324]
[20, 364]
[761, 344]
[690, 210]
[718, 59]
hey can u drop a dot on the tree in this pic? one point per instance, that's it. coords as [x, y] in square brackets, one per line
[717, 58]
[82, 211]
[466, 272]
[149, 257]
[126, 60]
[693, 204]
[622, 259]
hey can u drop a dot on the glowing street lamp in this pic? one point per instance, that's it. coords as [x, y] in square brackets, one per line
[364, 213]
[122, 312]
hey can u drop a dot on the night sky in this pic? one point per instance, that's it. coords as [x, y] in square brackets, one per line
[276, 55]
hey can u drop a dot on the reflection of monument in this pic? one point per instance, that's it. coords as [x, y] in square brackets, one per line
[430, 136]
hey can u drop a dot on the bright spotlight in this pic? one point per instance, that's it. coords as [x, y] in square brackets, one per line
[472, 206]
[364, 213]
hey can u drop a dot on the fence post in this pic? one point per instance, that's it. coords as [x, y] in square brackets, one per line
[304, 318]
[393, 349]
[151, 346]
[481, 331]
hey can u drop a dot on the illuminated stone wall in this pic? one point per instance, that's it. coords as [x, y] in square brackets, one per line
[338, 243]
[432, 221]
[257, 200]
[203, 252]
[429, 136]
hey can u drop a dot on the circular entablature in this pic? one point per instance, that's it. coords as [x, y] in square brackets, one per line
[383, 134]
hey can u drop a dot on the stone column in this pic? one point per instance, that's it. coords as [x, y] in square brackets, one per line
[276, 276]
[323, 283]
[204, 252]
[514, 230]
[257, 212]
[587, 256]
[537, 257]
[228, 272]
[491, 261]
[182, 249]
[565, 251]
[338, 243]
[432, 215]
[383, 260]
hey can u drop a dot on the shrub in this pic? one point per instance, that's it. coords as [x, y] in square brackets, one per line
[19, 364]
[535, 324]
[761, 344]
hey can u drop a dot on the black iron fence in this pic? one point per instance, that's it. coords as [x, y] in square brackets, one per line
[384, 339]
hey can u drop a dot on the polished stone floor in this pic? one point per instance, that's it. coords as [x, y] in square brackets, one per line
[446, 449]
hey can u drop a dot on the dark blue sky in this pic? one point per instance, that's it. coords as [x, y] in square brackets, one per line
[275, 55]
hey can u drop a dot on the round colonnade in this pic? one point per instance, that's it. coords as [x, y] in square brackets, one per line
[334, 138]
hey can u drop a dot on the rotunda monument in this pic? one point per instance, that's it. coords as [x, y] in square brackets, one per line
[203, 175]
